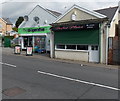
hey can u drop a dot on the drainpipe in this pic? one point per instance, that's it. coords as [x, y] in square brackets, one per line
[100, 42]
[52, 44]
[107, 33]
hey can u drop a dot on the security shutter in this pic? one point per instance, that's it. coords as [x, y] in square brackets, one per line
[90, 36]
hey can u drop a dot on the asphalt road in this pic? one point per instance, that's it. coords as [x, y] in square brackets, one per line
[49, 79]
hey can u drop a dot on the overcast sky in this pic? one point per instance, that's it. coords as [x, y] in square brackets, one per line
[14, 8]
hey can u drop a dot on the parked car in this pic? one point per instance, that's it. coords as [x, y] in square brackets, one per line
[38, 50]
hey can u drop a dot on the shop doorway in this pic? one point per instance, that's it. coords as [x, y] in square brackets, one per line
[94, 53]
[28, 41]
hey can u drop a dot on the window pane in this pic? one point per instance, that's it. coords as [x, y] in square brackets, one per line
[94, 47]
[82, 47]
[61, 46]
[71, 47]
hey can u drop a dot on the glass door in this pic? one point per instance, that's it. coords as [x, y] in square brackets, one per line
[28, 41]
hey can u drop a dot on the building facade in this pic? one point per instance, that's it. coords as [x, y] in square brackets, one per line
[80, 34]
[113, 16]
[35, 29]
[5, 26]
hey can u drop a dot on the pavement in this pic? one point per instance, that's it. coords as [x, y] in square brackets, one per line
[46, 56]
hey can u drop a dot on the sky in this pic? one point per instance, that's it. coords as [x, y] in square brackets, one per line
[13, 8]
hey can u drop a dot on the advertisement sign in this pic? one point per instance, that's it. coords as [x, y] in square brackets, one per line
[77, 27]
[17, 50]
[31, 30]
[29, 51]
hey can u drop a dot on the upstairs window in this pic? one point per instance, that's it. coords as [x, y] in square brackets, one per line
[73, 17]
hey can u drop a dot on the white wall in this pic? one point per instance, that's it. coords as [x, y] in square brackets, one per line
[42, 14]
[72, 55]
[112, 25]
[103, 43]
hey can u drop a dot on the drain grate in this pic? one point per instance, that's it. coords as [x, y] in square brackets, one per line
[13, 91]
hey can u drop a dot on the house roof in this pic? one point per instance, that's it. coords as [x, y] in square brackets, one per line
[7, 21]
[109, 12]
[54, 12]
[80, 22]
[99, 15]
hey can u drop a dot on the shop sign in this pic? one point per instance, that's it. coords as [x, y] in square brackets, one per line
[44, 29]
[76, 27]
[17, 49]
[29, 51]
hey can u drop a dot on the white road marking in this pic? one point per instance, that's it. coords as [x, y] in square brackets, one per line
[7, 64]
[81, 81]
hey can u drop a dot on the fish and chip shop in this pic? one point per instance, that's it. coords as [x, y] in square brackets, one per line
[78, 40]
[37, 37]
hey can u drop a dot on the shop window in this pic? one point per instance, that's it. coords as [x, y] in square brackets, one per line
[82, 47]
[60, 46]
[40, 42]
[70, 46]
[94, 47]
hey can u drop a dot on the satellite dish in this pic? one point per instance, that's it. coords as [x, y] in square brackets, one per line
[36, 19]
[25, 18]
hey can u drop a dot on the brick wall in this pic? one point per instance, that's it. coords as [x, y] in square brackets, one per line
[5, 27]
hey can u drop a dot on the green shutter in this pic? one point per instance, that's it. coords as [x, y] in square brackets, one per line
[90, 36]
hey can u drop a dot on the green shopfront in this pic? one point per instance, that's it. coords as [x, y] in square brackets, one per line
[37, 37]
[77, 41]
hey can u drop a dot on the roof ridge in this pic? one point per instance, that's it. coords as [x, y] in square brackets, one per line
[106, 8]
[54, 11]
[43, 9]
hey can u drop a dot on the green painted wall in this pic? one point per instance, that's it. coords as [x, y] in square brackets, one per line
[89, 36]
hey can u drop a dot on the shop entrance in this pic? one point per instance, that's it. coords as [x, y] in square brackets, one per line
[94, 53]
[28, 41]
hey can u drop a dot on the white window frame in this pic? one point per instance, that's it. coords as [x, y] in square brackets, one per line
[71, 49]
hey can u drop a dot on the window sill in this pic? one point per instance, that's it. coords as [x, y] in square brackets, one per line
[71, 50]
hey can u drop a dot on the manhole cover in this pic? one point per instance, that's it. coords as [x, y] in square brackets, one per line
[13, 91]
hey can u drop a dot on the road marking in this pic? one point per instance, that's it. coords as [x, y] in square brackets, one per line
[81, 81]
[7, 64]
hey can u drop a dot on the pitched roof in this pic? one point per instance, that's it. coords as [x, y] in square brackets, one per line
[109, 12]
[82, 9]
[54, 12]
[7, 21]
